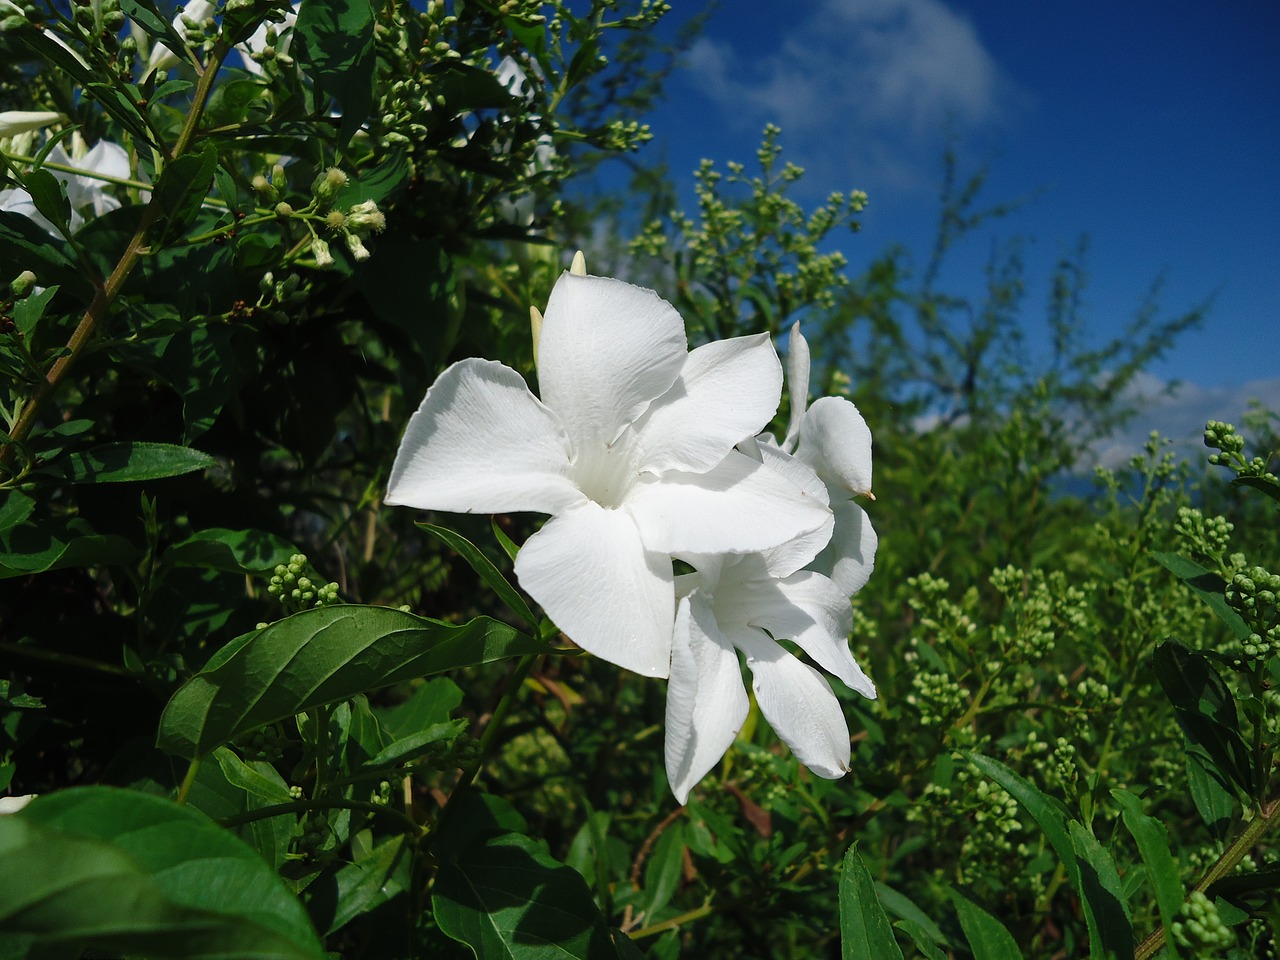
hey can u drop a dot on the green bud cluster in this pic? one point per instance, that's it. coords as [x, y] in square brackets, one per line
[1200, 929]
[1205, 537]
[294, 589]
[267, 744]
[315, 834]
[1224, 438]
[1253, 593]
[1064, 761]
[940, 699]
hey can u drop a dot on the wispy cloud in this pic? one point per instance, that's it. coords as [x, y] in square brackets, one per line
[1178, 413]
[878, 83]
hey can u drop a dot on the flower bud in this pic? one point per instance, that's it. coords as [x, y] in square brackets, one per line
[328, 184]
[22, 284]
[358, 249]
[320, 250]
[365, 217]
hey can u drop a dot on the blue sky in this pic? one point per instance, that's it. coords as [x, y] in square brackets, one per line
[1152, 127]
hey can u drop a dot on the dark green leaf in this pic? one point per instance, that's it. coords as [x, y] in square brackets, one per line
[987, 936]
[15, 507]
[360, 886]
[1153, 846]
[21, 241]
[117, 871]
[182, 188]
[233, 551]
[1047, 812]
[322, 656]
[503, 895]
[432, 702]
[36, 547]
[1269, 487]
[487, 571]
[865, 933]
[663, 870]
[240, 774]
[158, 27]
[1111, 935]
[506, 543]
[904, 908]
[1211, 792]
[49, 194]
[127, 461]
[1206, 585]
[123, 107]
[412, 746]
[920, 937]
[28, 311]
[1205, 708]
[1243, 884]
[335, 46]
[227, 189]
[376, 184]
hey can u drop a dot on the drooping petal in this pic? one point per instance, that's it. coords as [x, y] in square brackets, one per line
[785, 559]
[611, 596]
[606, 351]
[727, 391]
[482, 443]
[851, 555]
[807, 608]
[836, 442]
[739, 506]
[16, 200]
[798, 703]
[797, 385]
[706, 701]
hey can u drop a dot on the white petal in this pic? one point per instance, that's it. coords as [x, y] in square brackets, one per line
[836, 442]
[787, 558]
[18, 201]
[807, 608]
[13, 122]
[590, 572]
[851, 555]
[739, 506]
[482, 443]
[606, 351]
[706, 701]
[728, 390]
[797, 384]
[798, 703]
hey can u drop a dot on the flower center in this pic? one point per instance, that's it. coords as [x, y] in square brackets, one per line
[605, 473]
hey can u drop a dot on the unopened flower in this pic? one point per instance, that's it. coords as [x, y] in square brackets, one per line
[365, 217]
[320, 250]
[20, 121]
[14, 804]
[631, 450]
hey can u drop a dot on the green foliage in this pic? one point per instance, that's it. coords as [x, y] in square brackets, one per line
[206, 362]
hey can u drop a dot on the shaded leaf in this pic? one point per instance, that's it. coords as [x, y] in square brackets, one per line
[1153, 847]
[1205, 584]
[1111, 934]
[49, 195]
[322, 656]
[865, 933]
[1267, 486]
[182, 188]
[108, 870]
[233, 551]
[335, 46]
[36, 547]
[490, 574]
[128, 461]
[988, 937]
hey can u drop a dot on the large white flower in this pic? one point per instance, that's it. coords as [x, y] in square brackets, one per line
[736, 604]
[630, 449]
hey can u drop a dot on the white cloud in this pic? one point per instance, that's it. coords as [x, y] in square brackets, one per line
[1179, 412]
[878, 83]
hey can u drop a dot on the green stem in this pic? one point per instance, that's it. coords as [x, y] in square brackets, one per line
[298, 806]
[1267, 818]
[105, 294]
[188, 781]
[68, 659]
[703, 911]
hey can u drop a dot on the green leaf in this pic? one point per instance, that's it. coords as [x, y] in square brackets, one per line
[1242, 884]
[334, 39]
[21, 241]
[322, 656]
[358, 887]
[158, 27]
[1211, 792]
[921, 938]
[865, 933]
[414, 745]
[506, 543]
[37, 547]
[240, 774]
[1205, 708]
[1111, 935]
[49, 194]
[1047, 812]
[28, 311]
[663, 870]
[501, 893]
[431, 702]
[1153, 846]
[15, 507]
[127, 461]
[117, 871]
[1205, 584]
[987, 936]
[182, 188]
[233, 551]
[905, 909]
[487, 571]
[1267, 486]
[375, 184]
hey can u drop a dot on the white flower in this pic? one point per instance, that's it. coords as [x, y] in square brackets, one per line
[832, 438]
[162, 58]
[727, 606]
[630, 449]
[257, 42]
[20, 121]
[14, 804]
[85, 194]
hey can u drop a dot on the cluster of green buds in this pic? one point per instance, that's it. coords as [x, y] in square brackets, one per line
[1223, 438]
[1207, 537]
[267, 745]
[354, 224]
[99, 20]
[1253, 594]
[295, 590]
[16, 14]
[1200, 931]
[315, 834]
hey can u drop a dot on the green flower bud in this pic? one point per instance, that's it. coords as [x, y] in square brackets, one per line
[22, 284]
